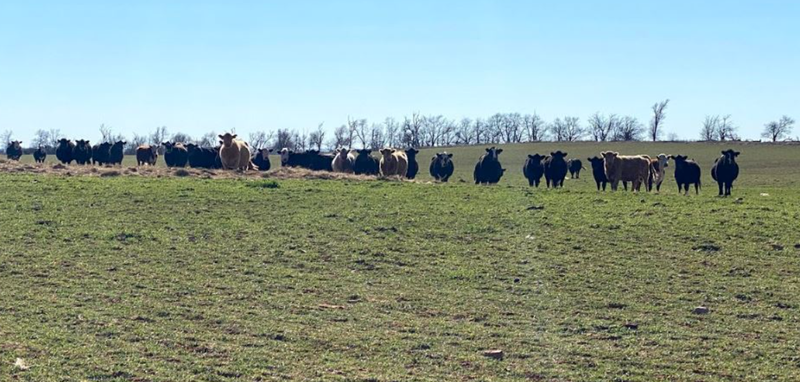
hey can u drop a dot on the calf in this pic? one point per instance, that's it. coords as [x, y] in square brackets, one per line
[725, 171]
[147, 155]
[686, 172]
[117, 153]
[40, 155]
[14, 150]
[534, 169]
[622, 168]
[555, 169]
[82, 153]
[261, 160]
[442, 166]
[100, 153]
[64, 151]
[657, 172]
[393, 162]
[413, 166]
[202, 157]
[365, 164]
[575, 166]
[599, 172]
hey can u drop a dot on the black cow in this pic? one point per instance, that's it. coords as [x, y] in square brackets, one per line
[575, 166]
[203, 157]
[555, 169]
[534, 169]
[725, 171]
[40, 155]
[14, 150]
[146, 155]
[64, 151]
[319, 162]
[599, 172]
[686, 172]
[442, 166]
[100, 153]
[117, 153]
[413, 166]
[488, 170]
[175, 154]
[82, 152]
[365, 164]
[261, 159]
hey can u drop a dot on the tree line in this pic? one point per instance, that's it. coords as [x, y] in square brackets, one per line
[419, 130]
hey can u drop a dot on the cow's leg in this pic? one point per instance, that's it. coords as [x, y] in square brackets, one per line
[720, 188]
[604, 185]
[697, 188]
[598, 185]
[658, 187]
[530, 182]
[728, 186]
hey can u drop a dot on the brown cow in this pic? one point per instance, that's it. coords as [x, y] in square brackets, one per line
[146, 154]
[625, 168]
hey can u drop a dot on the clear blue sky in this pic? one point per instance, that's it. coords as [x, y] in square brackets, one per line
[197, 66]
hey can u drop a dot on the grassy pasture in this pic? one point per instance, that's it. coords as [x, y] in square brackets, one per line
[174, 279]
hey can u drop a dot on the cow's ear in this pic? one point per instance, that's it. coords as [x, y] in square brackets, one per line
[488, 149]
[499, 151]
[565, 154]
[722, 152]
[450, 155]
[736, 153]
[220, 136]
[552, 153]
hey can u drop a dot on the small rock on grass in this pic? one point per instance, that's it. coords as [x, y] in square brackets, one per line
[496, 354]
[700, 310]
[20, 364]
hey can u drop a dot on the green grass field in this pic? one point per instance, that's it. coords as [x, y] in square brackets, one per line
[177, 279]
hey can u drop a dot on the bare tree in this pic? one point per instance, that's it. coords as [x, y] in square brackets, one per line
[511, 127]
[464, 132]
[54, 136]
[726, 130]
[317, 137]
[433, 128]
[601, 127]
[259, 139]
[208, 140]
[106, 132]
[40, 138]
[628, 129]
[568, 129]
[341, 138]
[359, 129]
[479, 131]
[5, 138]
[412, 131]
[657, 122]
[709, 130]
[159, 135]
[780, 129]
[673, 137]
[301, 141]
[392, 131]
[534, 126]
[377, 138]
[135, 142]
[284, 139]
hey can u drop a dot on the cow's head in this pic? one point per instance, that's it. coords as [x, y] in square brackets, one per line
[609, 157]
[663, 160]
[17, 145]
[387, 152]
[191, 147]
[558, 155]
[285, 154]
[167, 146]
[227, 139]
[597, 163]
[63, 142]
[443, 158]
[492, 152]
[411, 153]
[730, 154]
[265, 153]
[536, 157]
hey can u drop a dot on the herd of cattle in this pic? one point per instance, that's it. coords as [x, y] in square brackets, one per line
[233, 154]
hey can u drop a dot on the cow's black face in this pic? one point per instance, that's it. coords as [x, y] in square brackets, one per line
[558, 155]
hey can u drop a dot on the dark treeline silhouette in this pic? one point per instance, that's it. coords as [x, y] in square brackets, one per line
[419, 130]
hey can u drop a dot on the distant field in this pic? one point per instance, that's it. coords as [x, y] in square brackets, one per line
[175, 279]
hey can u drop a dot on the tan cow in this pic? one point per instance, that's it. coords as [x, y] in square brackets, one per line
[234, 154]
[625, 168]
[393, 162]
[342, 162]
[657, 171]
